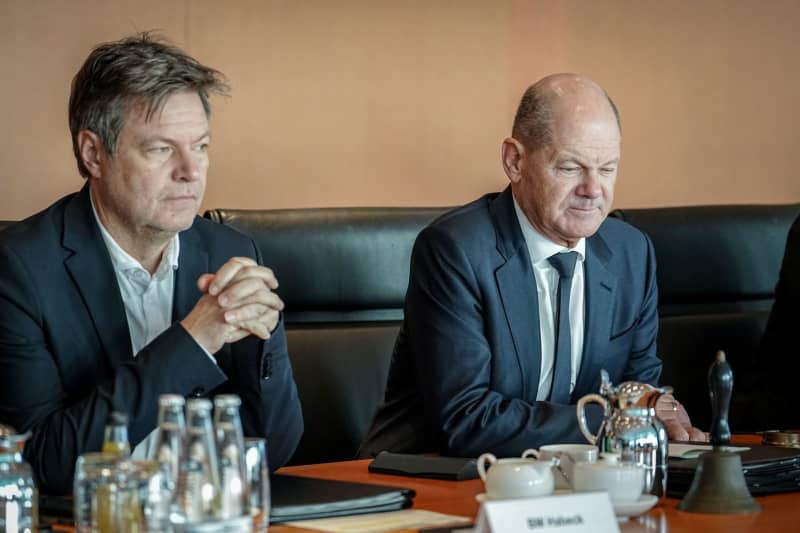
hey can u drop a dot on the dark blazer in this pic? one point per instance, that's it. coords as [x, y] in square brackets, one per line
[65, 349]
[465, 370]
[778, 364]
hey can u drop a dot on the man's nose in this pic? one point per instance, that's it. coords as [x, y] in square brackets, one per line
[590, 186]
[189, 166]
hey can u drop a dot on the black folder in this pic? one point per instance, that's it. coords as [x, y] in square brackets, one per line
[429, 466]
[767, 470]
[293, 498]
[303, 498]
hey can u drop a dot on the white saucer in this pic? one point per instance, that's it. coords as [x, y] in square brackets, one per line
[621, 509]
[636, 507]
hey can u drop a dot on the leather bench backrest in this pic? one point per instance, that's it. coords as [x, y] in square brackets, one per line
[717, 271]
[335, 264]
[715, 258]
[343, 274]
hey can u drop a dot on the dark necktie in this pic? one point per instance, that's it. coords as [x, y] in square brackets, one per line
[565, 265]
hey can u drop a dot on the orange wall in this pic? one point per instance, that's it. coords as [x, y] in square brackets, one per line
[372, 102]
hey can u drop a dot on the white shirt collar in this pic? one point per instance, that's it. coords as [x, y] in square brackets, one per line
[122, 261]
[539, 246]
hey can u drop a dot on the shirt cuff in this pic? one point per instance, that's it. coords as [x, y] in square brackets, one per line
[213, 360]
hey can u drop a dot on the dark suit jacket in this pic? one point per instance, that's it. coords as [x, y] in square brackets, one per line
[778, 364]
[465, 369]
[65, 349]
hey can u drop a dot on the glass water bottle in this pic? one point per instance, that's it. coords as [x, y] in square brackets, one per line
[198, 489]
[230, 446]
[170, 436]
[116, 435]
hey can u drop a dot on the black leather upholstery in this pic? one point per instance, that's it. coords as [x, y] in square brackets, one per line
[343, 275]
[336, 264]
[717, 271]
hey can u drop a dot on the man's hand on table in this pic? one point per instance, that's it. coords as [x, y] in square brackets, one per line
[676, 420]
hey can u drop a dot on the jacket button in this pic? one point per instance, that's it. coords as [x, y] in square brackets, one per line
[197, 392]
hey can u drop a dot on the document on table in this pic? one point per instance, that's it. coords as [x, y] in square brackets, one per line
[692, 451]
[380, 522]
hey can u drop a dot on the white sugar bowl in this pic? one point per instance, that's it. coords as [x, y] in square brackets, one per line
[624, 482]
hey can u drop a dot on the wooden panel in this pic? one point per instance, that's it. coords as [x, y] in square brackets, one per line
[357, 102]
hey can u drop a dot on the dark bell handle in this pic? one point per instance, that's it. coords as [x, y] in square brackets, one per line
[720, 386]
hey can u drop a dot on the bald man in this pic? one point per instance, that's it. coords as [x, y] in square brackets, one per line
[517, 300]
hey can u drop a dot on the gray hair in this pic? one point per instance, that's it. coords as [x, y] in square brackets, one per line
[534, 118]
[137, 70]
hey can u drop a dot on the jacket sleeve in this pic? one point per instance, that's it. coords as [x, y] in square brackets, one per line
[260, 372]
[777, 366]
[66, 410]
[453, 362]
[644, 364]
[270, 404]
[67, 419]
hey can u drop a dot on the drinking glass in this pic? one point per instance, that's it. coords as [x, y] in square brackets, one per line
[18, 494]
[120, 496]
[255, 453]
[95, 490]
[148, 497]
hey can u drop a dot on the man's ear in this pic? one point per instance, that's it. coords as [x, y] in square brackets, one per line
[92, 151]
[512, 153]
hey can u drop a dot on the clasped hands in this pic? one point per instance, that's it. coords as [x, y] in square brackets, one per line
[237, 301]
[676, 420]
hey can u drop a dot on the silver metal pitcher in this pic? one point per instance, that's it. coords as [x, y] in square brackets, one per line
[631, 428]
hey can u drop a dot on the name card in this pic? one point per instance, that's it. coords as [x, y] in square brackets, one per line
[589, 512]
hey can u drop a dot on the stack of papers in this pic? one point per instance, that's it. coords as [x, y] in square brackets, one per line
[767, 469]
[378, 523]
[679, 450]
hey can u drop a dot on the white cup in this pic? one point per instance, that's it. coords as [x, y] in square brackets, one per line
[565, 455]
[624, 482]
[515, 477]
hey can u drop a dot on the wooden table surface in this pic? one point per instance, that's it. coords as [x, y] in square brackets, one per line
[779, 512]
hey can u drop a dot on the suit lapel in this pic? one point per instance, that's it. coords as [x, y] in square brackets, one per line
[600, 285]
[517, 287]
[192, 263]
[91, 270]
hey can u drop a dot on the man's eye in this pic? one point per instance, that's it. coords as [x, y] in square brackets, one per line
[160, 150]
[202, 147]
[568, 169]
[608, 170]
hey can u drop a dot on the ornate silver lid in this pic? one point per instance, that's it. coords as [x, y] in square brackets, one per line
[630, 393]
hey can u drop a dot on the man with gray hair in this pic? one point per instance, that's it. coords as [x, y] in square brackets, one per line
[119, 293]
[517, 300]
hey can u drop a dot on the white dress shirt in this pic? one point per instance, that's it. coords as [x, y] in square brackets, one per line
[540, 248]
[147, 300]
